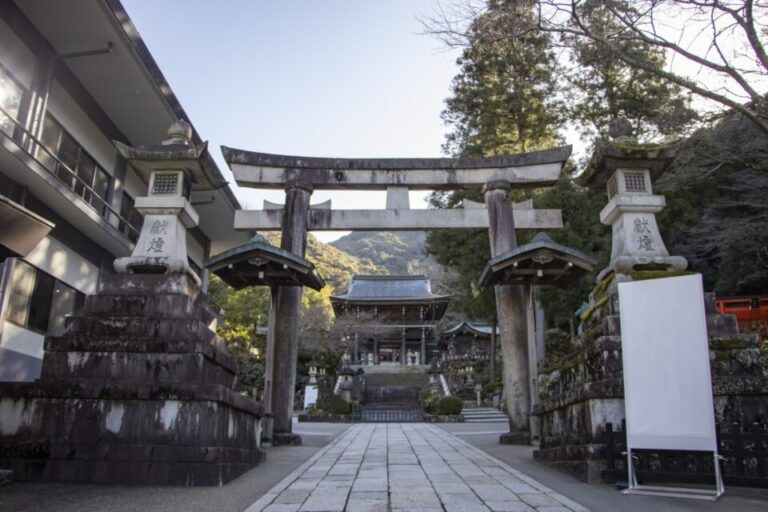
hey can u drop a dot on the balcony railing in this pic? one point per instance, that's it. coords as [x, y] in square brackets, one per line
[31, 145]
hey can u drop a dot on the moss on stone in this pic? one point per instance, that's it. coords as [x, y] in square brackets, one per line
[585, 316]
[602, 287]
[727, 344]
[643, 275]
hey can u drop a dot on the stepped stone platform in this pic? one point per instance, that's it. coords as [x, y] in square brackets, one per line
[139, 390]
[484, 415]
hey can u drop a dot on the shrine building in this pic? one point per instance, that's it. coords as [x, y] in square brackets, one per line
[391, 319]
[467, 341]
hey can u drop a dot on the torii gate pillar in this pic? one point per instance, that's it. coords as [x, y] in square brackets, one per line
[511, 313]
[283, 347]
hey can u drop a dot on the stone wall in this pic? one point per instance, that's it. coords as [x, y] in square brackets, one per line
[583, 391]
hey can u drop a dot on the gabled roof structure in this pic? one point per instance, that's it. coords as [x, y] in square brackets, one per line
[258, 263]
[391, 288]
[412, 292]
[542, 261]
[476, 329]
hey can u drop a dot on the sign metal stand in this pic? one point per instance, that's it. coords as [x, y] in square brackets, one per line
[674, 492]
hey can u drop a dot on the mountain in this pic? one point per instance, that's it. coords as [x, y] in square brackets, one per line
[400, 252]
[335, 265]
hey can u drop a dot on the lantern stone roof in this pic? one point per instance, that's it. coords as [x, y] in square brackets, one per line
[258, 263]
[177, 153]
[610, 156]
[542, 261]
[390, 288]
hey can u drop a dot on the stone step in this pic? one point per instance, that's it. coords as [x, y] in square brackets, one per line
[483, 415]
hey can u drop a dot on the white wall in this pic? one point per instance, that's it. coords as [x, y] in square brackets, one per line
[21, 354]
[134, 186]
[195, 251]
[64, 264]
[79, 125]
[15, 56]
[22, 341]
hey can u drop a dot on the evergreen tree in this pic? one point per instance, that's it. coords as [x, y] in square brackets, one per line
[503, 101]
[606, 87]
[504, 98]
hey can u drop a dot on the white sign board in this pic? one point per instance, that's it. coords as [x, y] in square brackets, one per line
[310, 396]
[667, 381]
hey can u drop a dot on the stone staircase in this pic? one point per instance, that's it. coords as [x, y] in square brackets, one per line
[483, 415]
[392, 395]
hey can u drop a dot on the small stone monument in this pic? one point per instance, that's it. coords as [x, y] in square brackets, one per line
[170, 169]
[627, 170]
[434, 371]
[346, 373]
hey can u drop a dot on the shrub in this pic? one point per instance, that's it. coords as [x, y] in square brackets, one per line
[449, 405]
[337, 405]
[427, 401]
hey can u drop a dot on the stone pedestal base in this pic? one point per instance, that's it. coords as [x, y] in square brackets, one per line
[138, 391]
[522, 437]
[286, 439]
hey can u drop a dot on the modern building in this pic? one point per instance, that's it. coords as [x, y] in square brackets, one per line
[74, 76]
[391, 319]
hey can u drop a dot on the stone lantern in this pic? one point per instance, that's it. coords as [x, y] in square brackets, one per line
[346, 374]
[479, 394]
[312, 373]
[470, 379]
[173, 170]
[434, 371]
[627, 170]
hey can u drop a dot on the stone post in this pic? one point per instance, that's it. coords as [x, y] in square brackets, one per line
[403, 348]
[511, 313]
[287, 310]
[423, 354]
[269, 369]
[494, 327]
[533, 357]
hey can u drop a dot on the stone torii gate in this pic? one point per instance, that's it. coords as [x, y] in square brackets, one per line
[300, 176]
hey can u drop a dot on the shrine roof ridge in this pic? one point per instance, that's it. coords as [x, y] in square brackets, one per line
[389, 277]
[475, 327]
[389, 288]
[240, 156]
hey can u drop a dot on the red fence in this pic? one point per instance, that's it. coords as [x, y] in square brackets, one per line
[751, 313]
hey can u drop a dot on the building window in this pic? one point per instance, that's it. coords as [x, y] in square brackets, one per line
[11, 93]
[39, 302]
[131, 219]
[69, 162]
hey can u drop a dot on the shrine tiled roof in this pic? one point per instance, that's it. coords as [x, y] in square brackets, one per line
[391, 288]
[472, 328]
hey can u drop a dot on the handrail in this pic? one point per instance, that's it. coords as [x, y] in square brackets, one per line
[39, 145]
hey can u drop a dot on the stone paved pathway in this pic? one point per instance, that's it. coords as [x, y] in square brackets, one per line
[409, 467]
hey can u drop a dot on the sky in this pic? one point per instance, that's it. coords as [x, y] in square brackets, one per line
[313, 78]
